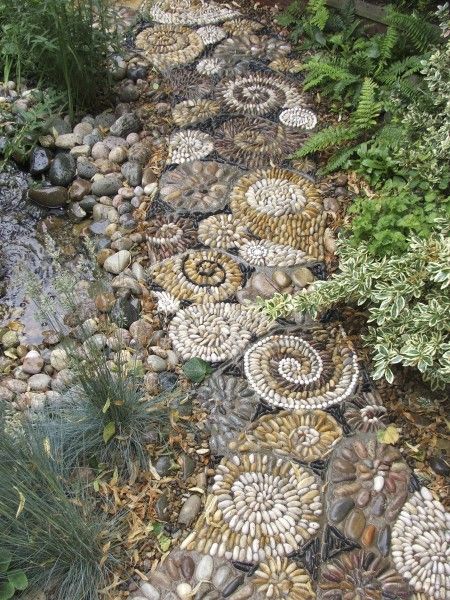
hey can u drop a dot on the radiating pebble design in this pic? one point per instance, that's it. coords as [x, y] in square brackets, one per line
[241, 26]
[211, 34]
[313, 370]
[167, 236]
[365, 412]
[222, 231]
[421, 545]
[255, 142]
[216, 332]
[259, 507]
[210, 66]
[189, 145]
[264, 253]
[361, 575]
[201, 276]
[300, 435]
[250, 45]
[198, 186]
[282, 578]
[230, 404]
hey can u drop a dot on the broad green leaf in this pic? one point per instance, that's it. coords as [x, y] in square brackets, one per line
[109, 431]
[5, 560]
[106, 406]
[18, 579]
[196, 369]
[6, 590]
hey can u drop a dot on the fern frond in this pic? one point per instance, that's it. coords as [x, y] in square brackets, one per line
[318, 13]
[413, 28]
[319, 71]
[387, 45]
[368, 109]
[338, 160]
[330, 137]
[400, 68]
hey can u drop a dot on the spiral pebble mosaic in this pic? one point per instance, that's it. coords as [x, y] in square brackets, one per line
[306, 502]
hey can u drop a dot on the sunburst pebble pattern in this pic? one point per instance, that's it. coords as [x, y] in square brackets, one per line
[299, 435]
[263, 253]
[168, 235]
[257, 94]
[189, 145]
[210, 66]
[362, 575]
[191, 112]
[282, 578]
[190, 12]
[199, 276]
[300, 118]
[169, 45]
[211, 34]
[166, 303]
[421, 545]
[230, 404]
[366, 412]
[283, 207]
[216, 332]
[313, 370]
[198, 186]
[255, 143]
[260, 507]
[222, 231]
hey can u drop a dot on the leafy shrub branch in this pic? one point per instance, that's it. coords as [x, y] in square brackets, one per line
[407, 300]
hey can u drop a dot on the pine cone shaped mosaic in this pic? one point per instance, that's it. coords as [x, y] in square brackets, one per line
[259, 507]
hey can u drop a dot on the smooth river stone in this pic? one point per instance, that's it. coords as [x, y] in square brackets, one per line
[344, 465]
[340, 509]
[244, 593]
[187, 566]
[150, 592]
[204, 569]
[362, 499]
[233, 586]
[368, 535]
[384, 540]
[378, 505]
[221, 576]
[354, 525]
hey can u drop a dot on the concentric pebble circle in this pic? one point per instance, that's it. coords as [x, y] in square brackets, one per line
[295, 372]
[421, 545]
[260, 507]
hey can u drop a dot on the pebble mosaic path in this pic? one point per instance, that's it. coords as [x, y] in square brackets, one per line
[306, 502]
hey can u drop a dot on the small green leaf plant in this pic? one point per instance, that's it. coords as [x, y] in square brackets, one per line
[196, 369]
[11, 580]
[407, 298]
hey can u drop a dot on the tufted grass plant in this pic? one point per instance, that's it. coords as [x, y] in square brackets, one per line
[50, 525]
[62, 44]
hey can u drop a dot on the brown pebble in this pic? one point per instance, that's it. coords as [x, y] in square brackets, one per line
[368, 535]
[187, 567]
[172, 569]
[362, 499]
[354, 525]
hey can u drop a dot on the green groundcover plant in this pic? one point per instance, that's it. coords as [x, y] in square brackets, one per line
[11, 580]
[407, 298]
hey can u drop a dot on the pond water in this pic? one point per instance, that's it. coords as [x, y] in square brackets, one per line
[22, 249]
